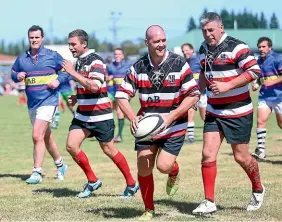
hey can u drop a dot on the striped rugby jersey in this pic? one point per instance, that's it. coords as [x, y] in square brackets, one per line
[271, 69]
[92, 107]
[230, 59]
[162, 90]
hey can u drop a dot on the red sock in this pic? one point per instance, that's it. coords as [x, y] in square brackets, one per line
[209, 171]
[24, 100]
[122, 164]
[82, 160]
[147, 190]
[175, 169]
[252, 171]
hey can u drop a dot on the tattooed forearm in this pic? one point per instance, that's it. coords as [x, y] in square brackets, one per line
[87, 85]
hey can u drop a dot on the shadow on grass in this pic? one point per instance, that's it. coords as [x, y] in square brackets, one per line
[187, 207]
[121, 213]
[57, 192]
[275, 162]
[20, 176]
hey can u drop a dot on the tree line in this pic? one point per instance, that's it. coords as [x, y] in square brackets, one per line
[241, 20]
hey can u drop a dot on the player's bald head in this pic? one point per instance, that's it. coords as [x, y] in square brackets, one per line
[154, 30]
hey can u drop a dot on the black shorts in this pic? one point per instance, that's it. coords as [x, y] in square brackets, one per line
[235, 130]
[171, 145]
[103, 131]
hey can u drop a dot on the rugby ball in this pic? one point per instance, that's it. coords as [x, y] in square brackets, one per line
[149, 126]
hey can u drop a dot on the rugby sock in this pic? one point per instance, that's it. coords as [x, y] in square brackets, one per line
[209, 172]
[175, 170]
[252, 171]
[190, 130]
[59, 163]
[57, 116]
[147, 190]
[261, 135]
[37, 170]
[120, 126]
[82, 160]
[122, 164]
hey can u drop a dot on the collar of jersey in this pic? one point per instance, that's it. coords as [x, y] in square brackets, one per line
[87, 53]
[166, 55]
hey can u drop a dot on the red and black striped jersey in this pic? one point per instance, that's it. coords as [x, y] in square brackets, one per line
[160, 90]
[230, 59]
[92, 107]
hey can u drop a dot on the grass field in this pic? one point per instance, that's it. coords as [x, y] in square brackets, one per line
[52, 201]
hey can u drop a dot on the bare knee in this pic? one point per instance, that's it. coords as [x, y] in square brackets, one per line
[145, 165]
[109, 148]
[72, 149]
[164, 167]
[37, 137]
[242, 159]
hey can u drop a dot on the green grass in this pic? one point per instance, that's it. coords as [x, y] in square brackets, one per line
[54, 201]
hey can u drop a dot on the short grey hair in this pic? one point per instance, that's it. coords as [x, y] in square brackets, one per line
[211, 17]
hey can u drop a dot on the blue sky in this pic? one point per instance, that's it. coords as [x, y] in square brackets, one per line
[92, 15]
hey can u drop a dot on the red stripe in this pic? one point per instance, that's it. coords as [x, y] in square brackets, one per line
[249, 64]
[223, 61]
[189, 89]
[160, 103]
[95, 107]
[231, 116]
[82, 91]
[170, 135]
[225, 79]
[241, 52]
[186, 73]
[249, 76]
[131, 94]
[97, 66]
[132, 77]
[145, 84]
[166, 83]
[230, 99]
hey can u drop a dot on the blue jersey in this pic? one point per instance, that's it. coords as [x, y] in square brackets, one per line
[194, 64]
[118, 71]
[271, 69]
[65, 87]
[41, 69]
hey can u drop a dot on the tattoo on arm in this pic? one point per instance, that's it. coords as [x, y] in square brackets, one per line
[87, 84]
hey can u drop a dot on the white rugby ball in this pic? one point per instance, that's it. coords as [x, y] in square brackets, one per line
[149, 126]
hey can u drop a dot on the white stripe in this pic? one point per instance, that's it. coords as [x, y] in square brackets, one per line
[97, 61]
[127, 86]
[162, 96]
[188, 85]
[174, 128]
[122, 95]
[224, 74]
[145, 77]
[230, 112]
[93, 101]
[238, 48]
[97, 75]
[232, 92]
[184, 68]
[98, 118]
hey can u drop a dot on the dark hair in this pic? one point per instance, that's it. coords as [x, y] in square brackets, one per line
[35, 28]
[187, 44]
[81, 34]
[119, 49]
[268, 40]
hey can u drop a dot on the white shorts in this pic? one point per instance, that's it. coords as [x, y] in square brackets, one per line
[274, 106]
[203, 101]
[45, 113]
